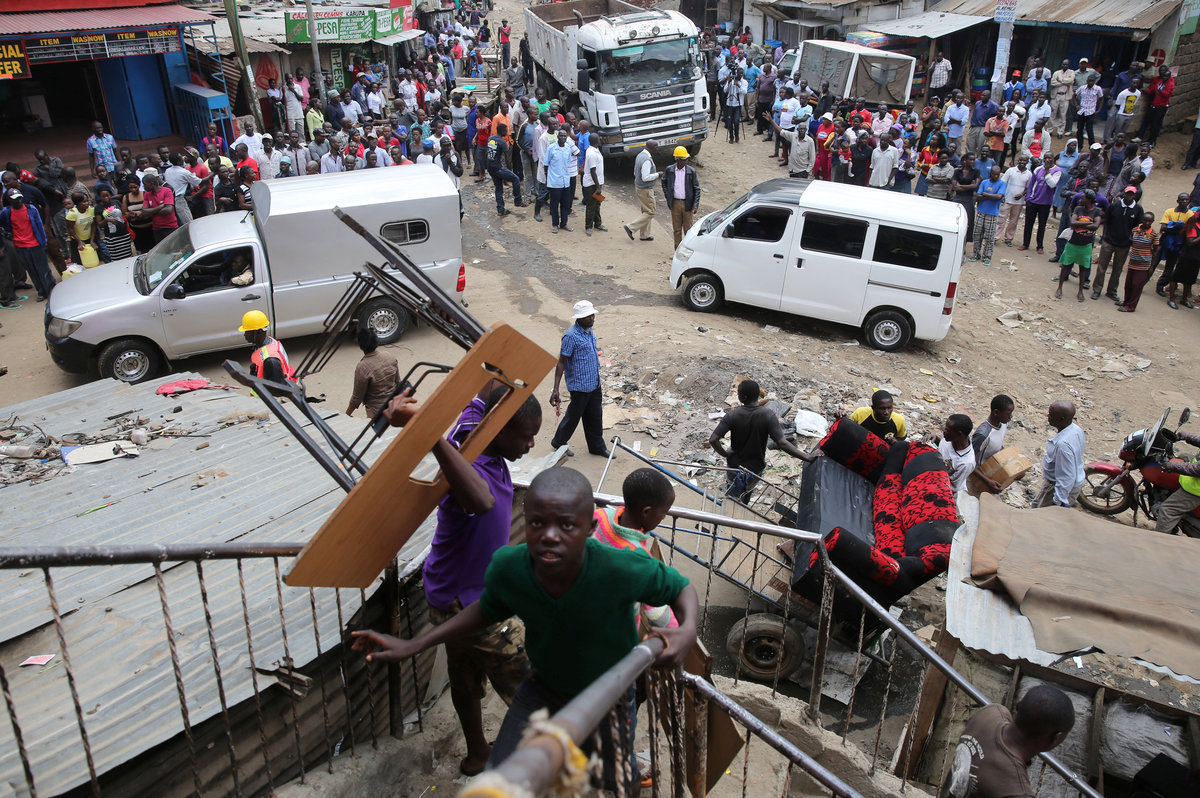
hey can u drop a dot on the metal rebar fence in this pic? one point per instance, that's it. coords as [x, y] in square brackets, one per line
[236, 682]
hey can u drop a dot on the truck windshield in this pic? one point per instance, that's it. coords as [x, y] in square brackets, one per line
[720, 216]
[154, 267]
[644, 66]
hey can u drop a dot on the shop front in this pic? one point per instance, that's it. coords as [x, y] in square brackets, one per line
[120, 66]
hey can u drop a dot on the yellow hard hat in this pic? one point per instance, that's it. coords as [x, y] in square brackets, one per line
[681, 152]
[254, 320]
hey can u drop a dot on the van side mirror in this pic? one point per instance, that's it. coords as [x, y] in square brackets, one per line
[727, 232]
[174, 291]
[583, 75]
[1185, 415]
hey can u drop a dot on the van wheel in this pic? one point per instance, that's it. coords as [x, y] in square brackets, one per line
[387, 318]
[703, 293]
[129, 360]
[888, 330]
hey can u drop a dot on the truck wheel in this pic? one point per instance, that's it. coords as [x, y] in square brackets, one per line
[1119, 499]
[763, 645]
[888, 330]
[694, 150]
[130, 360]
[386, 318]
[703, 293]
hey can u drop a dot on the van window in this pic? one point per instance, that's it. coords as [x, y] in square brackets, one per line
[761, 224]
[833, 234]
[910, 248]
[411, 231]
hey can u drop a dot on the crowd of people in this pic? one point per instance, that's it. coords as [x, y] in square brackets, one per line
[998, 158]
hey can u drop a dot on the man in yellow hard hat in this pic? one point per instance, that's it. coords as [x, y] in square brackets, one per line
[682, 190]
[268, 361]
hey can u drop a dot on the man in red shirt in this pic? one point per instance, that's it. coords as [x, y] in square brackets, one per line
[483, 132]
[505, 41]
[241, 157]
[1159, 94]
[24, 226]
[159, 203]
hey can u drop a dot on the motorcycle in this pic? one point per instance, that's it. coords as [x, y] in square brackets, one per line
[1111, 488]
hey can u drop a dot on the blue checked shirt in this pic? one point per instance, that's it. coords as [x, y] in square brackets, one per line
[582, 367]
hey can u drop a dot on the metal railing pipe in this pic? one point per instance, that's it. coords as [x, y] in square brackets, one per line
[69, 556]
[771, 737]
[537, 762]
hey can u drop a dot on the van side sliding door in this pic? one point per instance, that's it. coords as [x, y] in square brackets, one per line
[759, 241]
[827, 272]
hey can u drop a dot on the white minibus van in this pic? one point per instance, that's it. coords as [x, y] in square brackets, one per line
[885, 262]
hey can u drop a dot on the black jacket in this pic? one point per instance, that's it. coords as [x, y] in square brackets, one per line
[691, 185]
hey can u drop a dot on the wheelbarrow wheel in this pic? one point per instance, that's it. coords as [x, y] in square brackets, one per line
[763, 645]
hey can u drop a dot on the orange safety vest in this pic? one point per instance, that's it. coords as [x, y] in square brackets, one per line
[271, 349]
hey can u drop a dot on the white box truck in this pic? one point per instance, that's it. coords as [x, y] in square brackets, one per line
[852, 70]
[633, 73]
[291, 258]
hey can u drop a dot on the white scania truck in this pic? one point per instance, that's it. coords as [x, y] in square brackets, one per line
[634, 74]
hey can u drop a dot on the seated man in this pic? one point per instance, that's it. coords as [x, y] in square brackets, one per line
[220, 270]
[880, 419]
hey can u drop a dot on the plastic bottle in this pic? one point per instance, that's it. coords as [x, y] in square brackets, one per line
[18, 450]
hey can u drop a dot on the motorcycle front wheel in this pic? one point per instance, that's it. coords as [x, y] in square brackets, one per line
[1119, 499]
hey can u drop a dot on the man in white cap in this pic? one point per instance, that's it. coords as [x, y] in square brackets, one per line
[579, 360]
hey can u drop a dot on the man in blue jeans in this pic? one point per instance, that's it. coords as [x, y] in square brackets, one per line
[561, 159]
[579, 360]
[497, 166]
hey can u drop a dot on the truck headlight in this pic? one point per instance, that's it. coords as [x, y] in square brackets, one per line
[684, 252]
[61, 328]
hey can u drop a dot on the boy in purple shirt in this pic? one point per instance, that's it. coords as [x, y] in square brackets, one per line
[473, 522]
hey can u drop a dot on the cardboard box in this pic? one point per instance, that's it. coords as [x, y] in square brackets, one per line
[1005, 466]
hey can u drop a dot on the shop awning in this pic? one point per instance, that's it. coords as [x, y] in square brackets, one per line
[786, 11]
[931, 24]
[1129, 15]
[59, 22]
[398, 38]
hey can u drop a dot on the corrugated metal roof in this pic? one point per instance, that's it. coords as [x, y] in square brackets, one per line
[1143, 15]
[931, 24]
[99, 19]
[264, 488]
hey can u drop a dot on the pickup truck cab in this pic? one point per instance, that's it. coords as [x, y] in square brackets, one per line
[885, 262]
[291, 258]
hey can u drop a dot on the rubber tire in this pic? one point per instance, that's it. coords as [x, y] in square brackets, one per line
[702, 283]
[763, 644]
[694, 150]
[892, 321]
[114, 360]
[386, 310]
[1100, 506]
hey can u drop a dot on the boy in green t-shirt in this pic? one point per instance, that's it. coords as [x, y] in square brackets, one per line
[575, 596]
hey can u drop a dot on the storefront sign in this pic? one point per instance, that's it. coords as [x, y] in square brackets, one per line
[13, 63]
[85, 46]
[403, 17]
[339, 24]
[1006, 11]
[337, 67]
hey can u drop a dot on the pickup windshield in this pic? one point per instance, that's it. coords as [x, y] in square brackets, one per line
[155, 266]
[646, 66]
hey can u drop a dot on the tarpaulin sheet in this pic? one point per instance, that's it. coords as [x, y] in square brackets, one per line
[1085, 582]
[881, 79]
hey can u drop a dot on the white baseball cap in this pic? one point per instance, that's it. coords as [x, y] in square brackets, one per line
[583, 309]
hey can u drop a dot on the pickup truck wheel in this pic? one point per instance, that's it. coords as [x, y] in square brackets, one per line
[762, 645]
[386, 318]
[888, 330]
[129, 360]
[703, 293]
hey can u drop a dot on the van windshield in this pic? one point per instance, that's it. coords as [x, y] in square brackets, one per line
[155, 266]
[720, 216]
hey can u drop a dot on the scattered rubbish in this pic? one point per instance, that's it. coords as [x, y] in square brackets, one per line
[1011, 318]
[140, 436]
[931, 398]
[810, 424]
[637, 446]
[1072, 371]
[19, 451]
[927, 372]
[770, 329]
[100, 452]
[40, 659]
